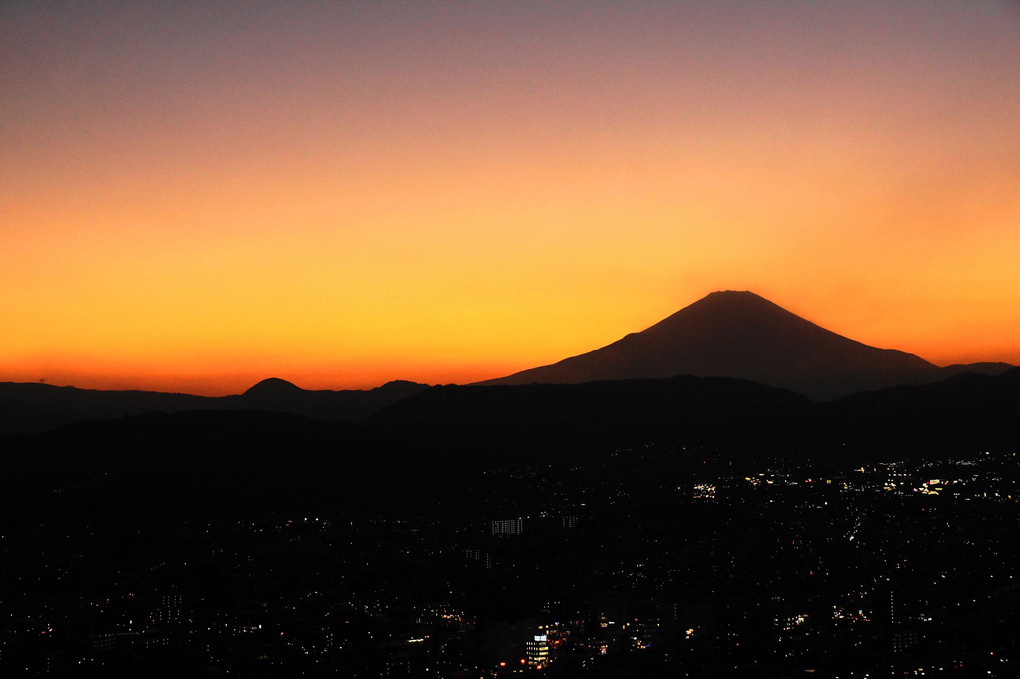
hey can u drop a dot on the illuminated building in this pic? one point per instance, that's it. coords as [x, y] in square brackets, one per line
[169, 609]
[902, 639]
[537, 650]
[508, 526]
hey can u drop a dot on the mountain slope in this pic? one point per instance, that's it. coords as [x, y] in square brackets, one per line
[742, 335]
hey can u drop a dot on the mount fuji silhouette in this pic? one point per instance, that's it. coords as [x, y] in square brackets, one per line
[742, 335]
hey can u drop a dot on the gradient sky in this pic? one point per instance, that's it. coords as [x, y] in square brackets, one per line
[195, 196]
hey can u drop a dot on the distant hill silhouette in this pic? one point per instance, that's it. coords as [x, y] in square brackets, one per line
[957, 413]
[409, 451]
[348, 405]
[27, 407]
[273, 388]
[742, 335]
[707, 409]
[177, 463]
[952, 416]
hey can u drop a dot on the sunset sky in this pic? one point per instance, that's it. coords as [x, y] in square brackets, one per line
[195, 196]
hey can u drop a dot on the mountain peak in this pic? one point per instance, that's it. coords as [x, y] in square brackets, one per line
[733, 300]
[273, 386]
[732, 294]
[733, 297]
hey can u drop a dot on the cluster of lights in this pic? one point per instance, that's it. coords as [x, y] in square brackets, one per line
[704, 491]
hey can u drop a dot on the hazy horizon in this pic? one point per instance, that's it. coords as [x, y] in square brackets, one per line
[245, 382]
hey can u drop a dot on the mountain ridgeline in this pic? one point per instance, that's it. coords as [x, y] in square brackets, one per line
[38, 407]
[730, 354]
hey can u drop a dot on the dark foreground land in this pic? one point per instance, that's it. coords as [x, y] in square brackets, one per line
[757, 535]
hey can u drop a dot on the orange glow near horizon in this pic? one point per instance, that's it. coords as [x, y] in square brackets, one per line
[342, 195]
